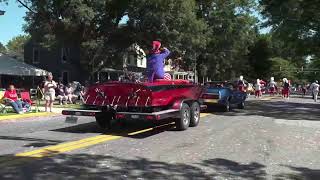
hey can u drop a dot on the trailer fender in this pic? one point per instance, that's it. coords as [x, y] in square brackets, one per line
[178, 103]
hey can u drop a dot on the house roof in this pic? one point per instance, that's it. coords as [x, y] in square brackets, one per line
[14, 67]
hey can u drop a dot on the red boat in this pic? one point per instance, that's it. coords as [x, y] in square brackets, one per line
[162, 99]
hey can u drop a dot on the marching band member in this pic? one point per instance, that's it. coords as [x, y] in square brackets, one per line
[241, 84]
[286, 86]
[258, 88]
[272, 86]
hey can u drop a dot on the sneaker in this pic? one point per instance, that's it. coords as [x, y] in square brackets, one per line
[21, 112]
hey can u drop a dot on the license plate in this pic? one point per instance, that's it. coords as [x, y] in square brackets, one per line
[135, 116]
[211, 100]
[72, 120]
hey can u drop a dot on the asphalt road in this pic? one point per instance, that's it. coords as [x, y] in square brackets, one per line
[270, 139]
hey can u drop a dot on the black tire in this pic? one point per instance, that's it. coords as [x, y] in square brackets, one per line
[226, 108]
[183, 122]
[194, 114]
[241, 105]
[103, 120]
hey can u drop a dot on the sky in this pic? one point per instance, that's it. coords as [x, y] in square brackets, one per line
[12, 21]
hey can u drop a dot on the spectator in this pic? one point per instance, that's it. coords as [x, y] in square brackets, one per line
[69, 91]
[49, 92]
[11, 97]
[61, 93]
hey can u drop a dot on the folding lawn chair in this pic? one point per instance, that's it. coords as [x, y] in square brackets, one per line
[25, 96]
[3, 104]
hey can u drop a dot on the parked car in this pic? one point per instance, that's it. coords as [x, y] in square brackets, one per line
[223, 94]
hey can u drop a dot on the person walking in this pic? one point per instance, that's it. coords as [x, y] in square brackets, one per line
[315, 90]
[272, 86]
[286, 88]
[49, 92]
[258, 88]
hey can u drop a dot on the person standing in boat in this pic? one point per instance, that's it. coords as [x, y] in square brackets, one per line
[155, 61]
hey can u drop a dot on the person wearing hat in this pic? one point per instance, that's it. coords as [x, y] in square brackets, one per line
[286, 86]
[155, 61]
[49, 92]
[257, 88]
[272, 86]
[315, 90]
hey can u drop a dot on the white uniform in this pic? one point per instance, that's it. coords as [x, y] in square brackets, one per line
[315, 90]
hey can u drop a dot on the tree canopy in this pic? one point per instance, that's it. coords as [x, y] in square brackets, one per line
[219, 39]
[15, 46]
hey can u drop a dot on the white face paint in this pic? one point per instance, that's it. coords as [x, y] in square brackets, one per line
[241, 78]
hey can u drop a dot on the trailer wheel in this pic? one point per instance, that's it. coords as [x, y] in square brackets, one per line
[226, 107]
[103, 120]
[195, 114]
[183, 122]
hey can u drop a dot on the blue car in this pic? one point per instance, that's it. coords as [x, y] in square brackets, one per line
[223, 94]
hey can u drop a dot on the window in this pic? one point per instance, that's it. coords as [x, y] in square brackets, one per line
[65, 77]
[35, 56]
[65, 55]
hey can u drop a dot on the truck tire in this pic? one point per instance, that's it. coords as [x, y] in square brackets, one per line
[226, 107]
[183, 122]
[103, 120]
[194, 114]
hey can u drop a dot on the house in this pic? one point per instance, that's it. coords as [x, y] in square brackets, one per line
[62, 61]
[134, 61]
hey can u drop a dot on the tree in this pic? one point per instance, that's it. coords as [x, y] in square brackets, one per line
[16, 45]
[259, 58]
[297, 22]
[232, 31]
[174, 22]
[89, 25]
[282, 68]
[2, 48]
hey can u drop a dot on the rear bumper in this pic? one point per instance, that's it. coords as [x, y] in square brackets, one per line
[79, 112]
[170, 113]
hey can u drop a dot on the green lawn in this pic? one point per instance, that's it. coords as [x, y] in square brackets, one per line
[56, 105]
[11, 112]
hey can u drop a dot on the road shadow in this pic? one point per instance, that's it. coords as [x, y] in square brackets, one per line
[279, 110]
[35, 142]
[300, 173]
[124, 129]
[85, 166]
[89, 166]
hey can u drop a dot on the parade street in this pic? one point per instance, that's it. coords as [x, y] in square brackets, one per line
[271, 139]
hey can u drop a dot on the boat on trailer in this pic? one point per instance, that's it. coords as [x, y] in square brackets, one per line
[163, 99]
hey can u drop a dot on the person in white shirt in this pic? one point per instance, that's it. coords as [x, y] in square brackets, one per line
[49, 92]
[315, 90]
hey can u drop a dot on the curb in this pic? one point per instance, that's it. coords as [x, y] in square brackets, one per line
[24, 116]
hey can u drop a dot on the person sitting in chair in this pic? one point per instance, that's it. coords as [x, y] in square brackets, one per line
[11, 97]
[155, 61]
